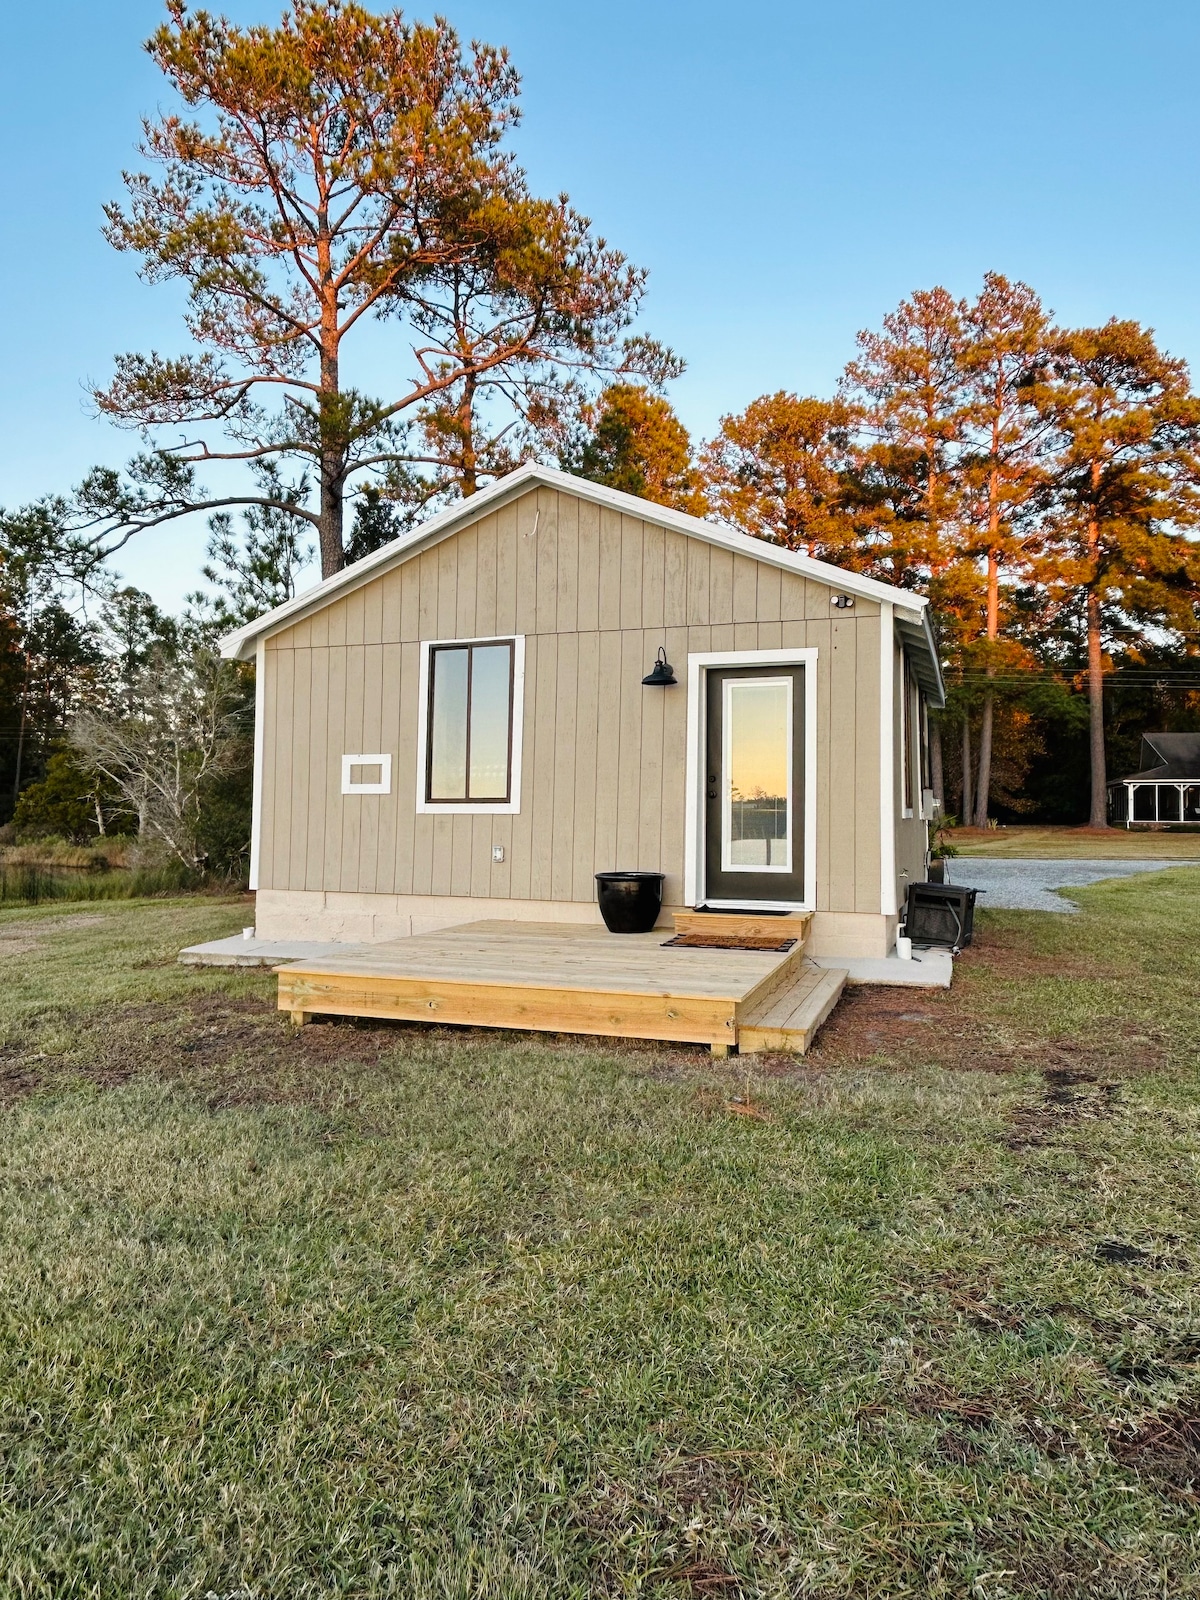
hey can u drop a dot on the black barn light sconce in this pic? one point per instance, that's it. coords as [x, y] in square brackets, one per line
[661, 674]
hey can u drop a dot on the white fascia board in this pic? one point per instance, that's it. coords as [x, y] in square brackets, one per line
[239, 645]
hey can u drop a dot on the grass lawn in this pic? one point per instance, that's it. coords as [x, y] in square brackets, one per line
[1054, 844]
[437, 1314]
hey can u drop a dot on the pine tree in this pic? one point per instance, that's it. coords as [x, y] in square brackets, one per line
[339, 172]
[635, 442]
[908, 383]
[1003, 438]
[1121, 499]
[778, 470]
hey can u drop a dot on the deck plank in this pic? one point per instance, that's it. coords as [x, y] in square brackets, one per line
[548, 954]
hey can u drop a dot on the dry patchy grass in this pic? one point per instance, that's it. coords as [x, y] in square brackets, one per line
[375, 1309]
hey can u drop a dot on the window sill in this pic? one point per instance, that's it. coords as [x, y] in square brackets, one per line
[468, 808]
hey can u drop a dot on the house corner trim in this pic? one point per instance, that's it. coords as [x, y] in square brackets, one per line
[260, 717]
[887, 762]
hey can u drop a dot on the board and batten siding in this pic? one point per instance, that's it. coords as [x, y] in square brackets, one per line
[595, 593]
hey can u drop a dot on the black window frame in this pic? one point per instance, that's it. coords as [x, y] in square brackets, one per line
[470, 646]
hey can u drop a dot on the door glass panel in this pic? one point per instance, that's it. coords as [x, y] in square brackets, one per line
[490, 677]
[756, 782]
[448, 726]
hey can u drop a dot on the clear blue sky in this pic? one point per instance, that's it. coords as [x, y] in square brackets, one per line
[786, 171]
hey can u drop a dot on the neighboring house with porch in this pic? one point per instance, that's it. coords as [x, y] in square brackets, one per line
[1167, 786]
[460, 726]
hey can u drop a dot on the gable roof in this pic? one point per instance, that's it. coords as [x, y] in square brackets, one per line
[1170, 756]
[912, 614]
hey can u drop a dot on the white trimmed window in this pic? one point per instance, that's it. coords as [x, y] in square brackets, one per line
[906, 737]
[469, 733]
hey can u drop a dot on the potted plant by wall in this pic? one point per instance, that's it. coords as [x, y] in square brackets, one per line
[629, 901]
[941, 851]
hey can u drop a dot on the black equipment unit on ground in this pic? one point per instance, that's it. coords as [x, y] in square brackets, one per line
[940, 913]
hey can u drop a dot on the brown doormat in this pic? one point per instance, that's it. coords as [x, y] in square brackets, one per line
[730, 941]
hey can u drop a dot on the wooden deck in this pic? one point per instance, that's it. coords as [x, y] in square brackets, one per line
[564, 978]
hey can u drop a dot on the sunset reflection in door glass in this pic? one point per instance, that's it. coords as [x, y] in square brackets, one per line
[757, 774]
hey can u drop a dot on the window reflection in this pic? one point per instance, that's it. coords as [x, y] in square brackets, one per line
[490, 679]
[448, 725]
[757, 775]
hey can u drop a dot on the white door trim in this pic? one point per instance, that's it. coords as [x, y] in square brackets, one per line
[697, 721]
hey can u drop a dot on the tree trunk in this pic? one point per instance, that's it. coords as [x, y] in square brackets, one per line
[983, 787]
[937, 777]
[333, 466]
[966, 771]
[25, 677]
[468, 473]
[983, 790]
[330, 414]
[333, 485]
[21, 735]
[1099, 816]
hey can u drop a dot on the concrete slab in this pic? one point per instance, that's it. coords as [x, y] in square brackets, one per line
[239, 951]
[1010, 884]
[928, 969]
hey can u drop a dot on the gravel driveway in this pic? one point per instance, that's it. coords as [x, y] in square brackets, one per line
[1029, 885]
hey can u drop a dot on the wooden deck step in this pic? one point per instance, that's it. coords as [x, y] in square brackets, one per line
[789, 1018]
[745, 924]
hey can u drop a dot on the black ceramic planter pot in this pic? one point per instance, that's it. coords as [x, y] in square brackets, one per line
[629, 901]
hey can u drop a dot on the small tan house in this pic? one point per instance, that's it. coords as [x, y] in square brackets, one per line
[458, 726]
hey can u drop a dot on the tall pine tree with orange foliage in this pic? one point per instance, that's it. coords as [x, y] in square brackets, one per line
[340, 172]
[1003, 457]
[907, 381]
[1121, 498]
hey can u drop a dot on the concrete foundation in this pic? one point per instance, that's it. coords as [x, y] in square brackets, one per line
[329, 917]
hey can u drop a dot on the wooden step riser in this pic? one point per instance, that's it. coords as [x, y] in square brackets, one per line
[782, 978]
[735, 924]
